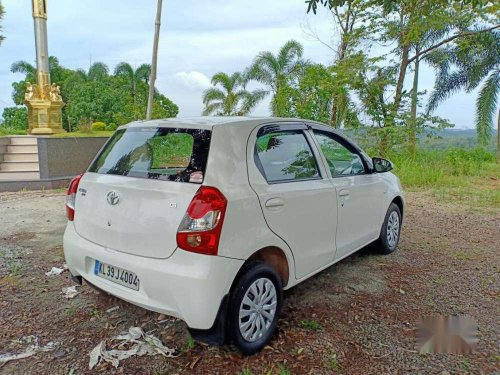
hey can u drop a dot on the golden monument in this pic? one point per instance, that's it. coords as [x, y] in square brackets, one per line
[43, 99]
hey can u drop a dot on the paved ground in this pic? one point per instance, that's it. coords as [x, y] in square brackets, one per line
[358, 317]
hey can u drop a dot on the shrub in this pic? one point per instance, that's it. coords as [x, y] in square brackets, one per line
[99, 126]
[111, 127]
[85, 126]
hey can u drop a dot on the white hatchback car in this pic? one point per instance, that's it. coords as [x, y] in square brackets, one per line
[210, 219]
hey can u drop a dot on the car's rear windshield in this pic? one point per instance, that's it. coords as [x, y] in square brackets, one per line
[170, 154]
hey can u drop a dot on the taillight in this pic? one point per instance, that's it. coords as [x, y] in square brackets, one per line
[201, 226]
[71, 196]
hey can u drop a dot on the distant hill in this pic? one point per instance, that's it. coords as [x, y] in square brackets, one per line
[466, 138]
[430, 140]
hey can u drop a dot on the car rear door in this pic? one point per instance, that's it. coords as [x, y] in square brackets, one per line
[360, 194]
[298, 203]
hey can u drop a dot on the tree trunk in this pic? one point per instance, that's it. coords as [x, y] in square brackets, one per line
[401, 79]
[154, 63]
[344, 44]
[413, 113]
[498, 137]
[333, 118]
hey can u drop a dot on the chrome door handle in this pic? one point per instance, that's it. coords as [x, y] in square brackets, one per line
[344, 193]
[275, 202]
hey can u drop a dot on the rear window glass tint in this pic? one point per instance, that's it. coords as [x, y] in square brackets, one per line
[172, 154]
[286, 156]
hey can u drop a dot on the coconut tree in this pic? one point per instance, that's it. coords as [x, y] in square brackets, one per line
[278, 72]
[466, 66]
[57, 75]
[133, 76]
[1, 17]
[98, 71]
[232, 98]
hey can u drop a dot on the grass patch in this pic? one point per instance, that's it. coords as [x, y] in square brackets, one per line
[283, 370]
[190, 344]
[334, 364]
[16, 269]
[95, 312]
[309, 324]
[82, 134]
[4, 131]
[469, 177]
[70, 311]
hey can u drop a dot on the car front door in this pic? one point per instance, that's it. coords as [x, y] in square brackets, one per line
[360, 194]
[295, 194]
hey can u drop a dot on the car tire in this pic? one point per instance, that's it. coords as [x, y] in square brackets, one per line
[251, 327]
[391, 229]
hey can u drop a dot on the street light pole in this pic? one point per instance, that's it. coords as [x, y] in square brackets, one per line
[154, 63]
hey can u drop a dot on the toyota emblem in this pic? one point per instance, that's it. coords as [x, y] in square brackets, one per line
[113, 198]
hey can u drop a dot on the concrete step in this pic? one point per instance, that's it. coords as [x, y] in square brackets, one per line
[25, 156]
[23, 140]
[19, 176]
[15, 149]
[18, 166]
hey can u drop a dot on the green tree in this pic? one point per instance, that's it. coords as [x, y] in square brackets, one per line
[279, 73]
[58, 74]
[312, 5]
[133, 76]
[353, 20]
[318, 86]
[415, 28]
[15, 118]
[312, 98]
[232, 98]
[94, 101]
[98, 71]
[2, 12]
[94, 95]
[467, 65]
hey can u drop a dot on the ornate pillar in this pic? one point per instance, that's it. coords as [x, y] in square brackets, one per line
[43, 99]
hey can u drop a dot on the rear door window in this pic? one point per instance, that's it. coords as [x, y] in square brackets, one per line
[171, 154]
[285, 156]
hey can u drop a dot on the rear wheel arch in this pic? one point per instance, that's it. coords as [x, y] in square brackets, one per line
[273, 256]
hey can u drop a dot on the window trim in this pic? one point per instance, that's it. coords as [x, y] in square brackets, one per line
[299, 128]
[351, 147]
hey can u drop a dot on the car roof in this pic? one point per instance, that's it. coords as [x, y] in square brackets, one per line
[208, 122]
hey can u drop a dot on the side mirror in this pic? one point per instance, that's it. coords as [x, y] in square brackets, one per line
[382, 165]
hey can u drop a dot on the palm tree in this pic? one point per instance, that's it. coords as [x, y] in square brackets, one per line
[232, 99]
[133, 76]
[98, 71]
[25, 68]
[57, 75]
[475, 62]
[278, 72]
[1, 17]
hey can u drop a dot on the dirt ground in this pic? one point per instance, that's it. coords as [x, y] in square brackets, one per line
[357, 317]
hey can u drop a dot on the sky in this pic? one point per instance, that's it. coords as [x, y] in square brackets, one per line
[198, 39]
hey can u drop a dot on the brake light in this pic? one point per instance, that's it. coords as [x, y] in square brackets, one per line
[201, 226]
[71, 197]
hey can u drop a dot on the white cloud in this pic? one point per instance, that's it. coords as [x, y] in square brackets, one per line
[193, 80]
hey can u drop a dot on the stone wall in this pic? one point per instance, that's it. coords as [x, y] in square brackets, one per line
[64, 158]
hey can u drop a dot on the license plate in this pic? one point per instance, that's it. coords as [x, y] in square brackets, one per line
[116, 275]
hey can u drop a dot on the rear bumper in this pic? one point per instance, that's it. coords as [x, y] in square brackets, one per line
[186, 285]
